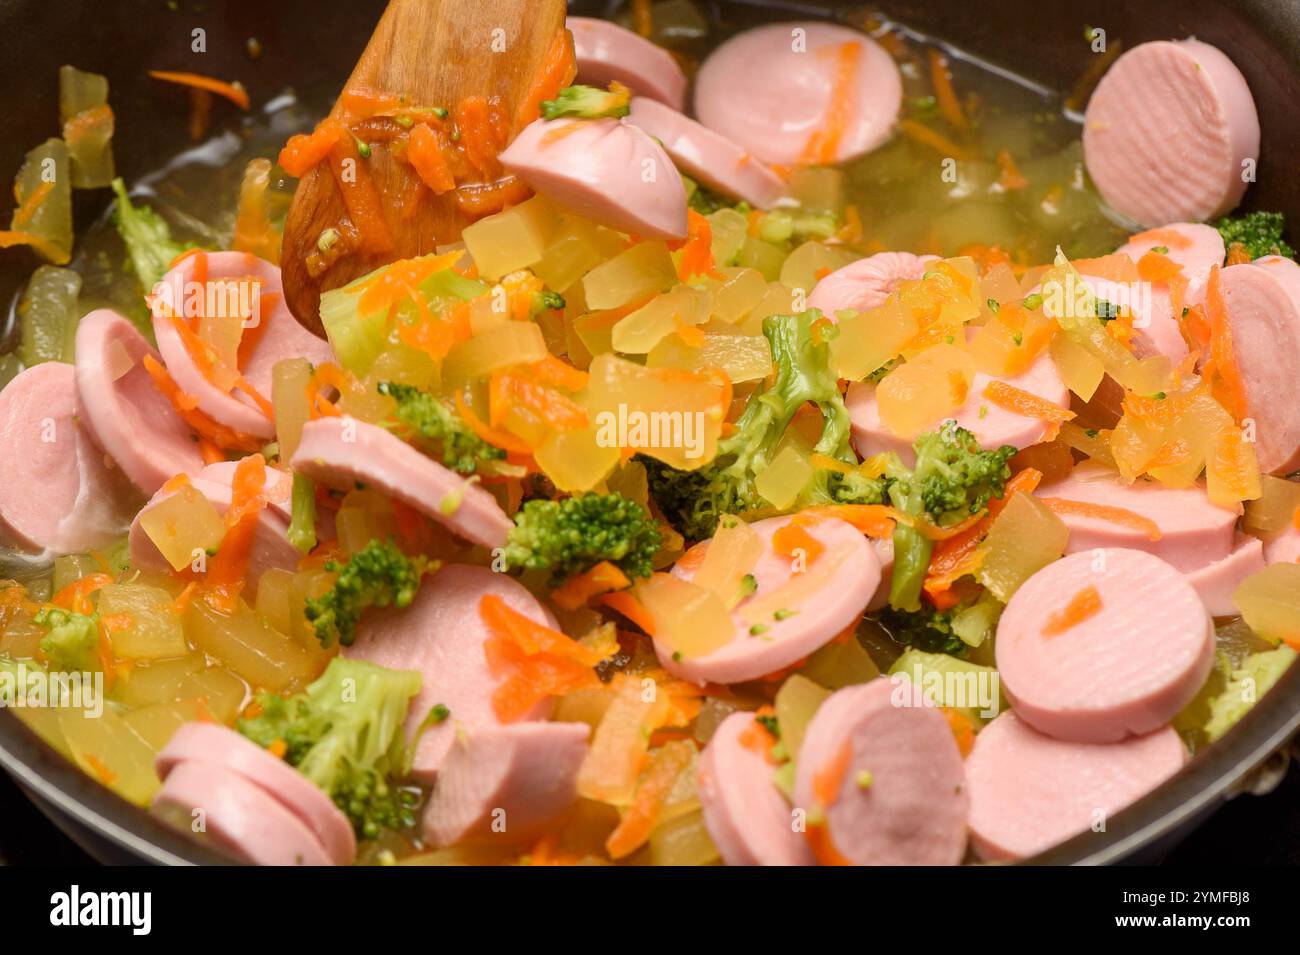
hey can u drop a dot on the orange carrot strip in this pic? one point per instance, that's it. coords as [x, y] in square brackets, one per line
[362, 199]
[873, 520]
[634, 829]
[1225, 375]
[187, 408]
[76, 595]
[627, 604]
[962, 730]
[493, 436]
[919, 132]
[304, 151]
[1104, 512]
[944, 94]
[231, 91]
[227, 571]
[424, 150]
[31, 204]
[580, 588]
[1084, 604]
[1017, 401]
[558, 70]
[531, 636]
[792, 537]
[824, 144]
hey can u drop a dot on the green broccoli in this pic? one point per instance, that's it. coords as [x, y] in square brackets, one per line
[148, 239]
[588, 102]
[953, 479]
[302, 524]
[1259, 233]
[376, 576]
[72, 644]
[434, 421]
[547, 300]
[925, 629]
[570, 535]
[344, 733]
[693, 501]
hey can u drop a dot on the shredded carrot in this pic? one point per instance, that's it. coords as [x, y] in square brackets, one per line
[558, 70]
[1104, 512]
[106, 775]
[944, 94]
[793, 537]
[187, 408]
[493, 436]
[1238, 254]
[76, 595]
[360, 196]
[1171, 238]
[278, 748]
[629, 606]
[920, 133]
[425, 152]
[183, 598]
[31, 204]
[580, 588]
[829, 778]
[757, 738]
[224, 581]
[303, 152]
[479, 199]
[1084, 604]
[360, 102]
[39, 243]
[962, 731]
[531, 636]
[1225, 376]
[873, 520]
[697, 251]
[1012, 178]
[1232, 461]
[823, 145]
[642, 815]
[478, 135]
[1020, 402]
[231, 91]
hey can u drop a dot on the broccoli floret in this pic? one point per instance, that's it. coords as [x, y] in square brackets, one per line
[344, 733]
[693, 501]
[926, 629]
[1259, 233]
[568, 536]
[376, 576]
[588, 102]
[436, 422]
[72, 644]
[148, 239]
[547, 300]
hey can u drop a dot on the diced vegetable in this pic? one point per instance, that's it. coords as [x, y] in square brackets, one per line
[87, 127]
[643, 270]
[107, 749]
[142, 623]
[682, 841]
[727, 229]
[840, 663]
[511, 343]
[796, 703]
[1276, 507]
[731, 555]
[577, 247]
[609, 772]
[249, 646]
[184, 526]
[49, 314]
[1255, 677]
[156, 724]
[42, 217]
[806, 265]
[782, 481]
[1024, 539]
[925, 389]
[741, 357]
[972, 690]
[867, 341]
[513, 239]
[1269, 601]
[681, 307]
[691, 620]
[157, 681]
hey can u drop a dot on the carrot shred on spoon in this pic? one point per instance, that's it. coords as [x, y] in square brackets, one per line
[557, 72]
[231, 91]
[1083, 605]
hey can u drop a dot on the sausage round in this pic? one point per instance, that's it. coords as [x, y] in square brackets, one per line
[340, 452]
[800, 92]
[126, 414]
[237, 815]
[886, 761]
[867, 283]
[1167, 132]
[1124, 670]
[506, 782]
[1216, 582]
[851, 572]
[278, 336]
[747, 817]
[1029, 791]
[441, 635]
[604, 170]
[233, 753]
[1194, 246]
[58, 494]
[707, 156]
[606, 52]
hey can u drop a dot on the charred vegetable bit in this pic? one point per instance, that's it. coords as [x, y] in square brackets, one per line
[72, 644]
[572, 535]
[588, 102]
[345, 734]
[435, 422]
[1259, 233]
[148, 239]
[378, 575]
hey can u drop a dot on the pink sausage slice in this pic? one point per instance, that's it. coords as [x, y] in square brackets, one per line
[126, 414]
[747, 817]
[901, 797]
[1193, 531]
[603, 170]
[851, 573]
[1167, 130]
[607, 52]
[1194, 246]
[58, 494]
[441, 635]
[1262, 301]
[992, 425]
[233, 753]
[867, 283]
[778, 90]
[1215, 582]
[279, 336]
[1283, 548]
[237, 815]
[271, 547]
[340, 452]
[707, 156]
[506, 782]
[1126, 669]
[1028, 791]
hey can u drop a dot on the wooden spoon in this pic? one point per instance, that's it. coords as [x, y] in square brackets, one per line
[434, 53]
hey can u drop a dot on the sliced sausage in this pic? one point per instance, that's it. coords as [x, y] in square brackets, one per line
[342, 452]
[1261, 300]
[271, 547]
[127, 416]
[607, 53]
[884, 548]
[1194, 246]
[229, 751]
[879, 768]
[506, 782]
[1119, 663]
[747, 817]
[1284, 548]
[603, 170]
[273, 330]
[867, 283]
[1029, 791]
[58, 494]
[800, 92]
[842, 580]
[237, 815]
[708, 156]
[441, 635]
[992, 425]
[1215, 582]
[1166, 133]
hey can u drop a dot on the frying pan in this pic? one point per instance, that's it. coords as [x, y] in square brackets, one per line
[310, 44]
